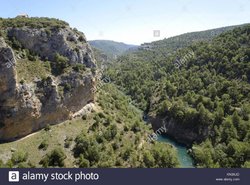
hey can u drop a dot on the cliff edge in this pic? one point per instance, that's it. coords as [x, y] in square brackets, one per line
[47, 73]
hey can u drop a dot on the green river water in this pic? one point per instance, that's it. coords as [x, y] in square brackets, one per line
[185, 159]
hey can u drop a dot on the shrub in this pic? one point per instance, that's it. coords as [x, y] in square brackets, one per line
[81, 38]
[88, 147]
[68, 142]
[84, 117]
[101, 115]
[111, 132]
[30, 55]
[83, 163]
[15, 43]
[22, 81]
[47, 65]
[55, 158]
[136, 127]
[79, 67]
[48, 32]
[67, 87]
[47, 127]
[60, 63]
[18, 157]
[44, 145]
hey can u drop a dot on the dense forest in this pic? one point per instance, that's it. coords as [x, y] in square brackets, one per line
[172, 44]
[204, 86]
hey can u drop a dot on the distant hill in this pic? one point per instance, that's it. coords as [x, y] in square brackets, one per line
[111, 48]
[172, 44]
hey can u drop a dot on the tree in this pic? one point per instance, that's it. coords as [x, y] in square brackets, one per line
[55, 158]
[164, 156]
[204, 115]
[83, 163]
[60, 63]
[219, 115]
[228, 131]
[212, 91]
[238, 151]
[203, 154]
[236, 119]
[148, 159]
[245, 111]
[171, 90]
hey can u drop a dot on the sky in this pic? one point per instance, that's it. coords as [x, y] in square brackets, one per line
[134, 21]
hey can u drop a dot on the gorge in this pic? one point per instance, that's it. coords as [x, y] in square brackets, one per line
[51, 86]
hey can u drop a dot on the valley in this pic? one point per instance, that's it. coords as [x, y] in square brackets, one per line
[196, 114]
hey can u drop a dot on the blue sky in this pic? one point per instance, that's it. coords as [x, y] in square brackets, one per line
[134, 21]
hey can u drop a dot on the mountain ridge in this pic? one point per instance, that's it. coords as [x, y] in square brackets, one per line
[111, 48]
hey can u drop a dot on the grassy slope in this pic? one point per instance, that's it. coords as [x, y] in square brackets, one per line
[56, 137]
[29, 70]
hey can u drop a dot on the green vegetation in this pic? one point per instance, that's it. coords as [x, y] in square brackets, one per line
[79, 67]
[19, 159]
[172, 44]
[27, 70]
[47, 128]
[54, 158]
[44, 145]
[31, 66]
[113, 135]
[111, 48]
[33, 22]
[208, 92]
[198, 80]
[59, 64]
[117, 137]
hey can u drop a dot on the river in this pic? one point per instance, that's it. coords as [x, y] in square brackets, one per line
[185, 159]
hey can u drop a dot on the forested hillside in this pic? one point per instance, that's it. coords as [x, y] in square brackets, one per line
[172, 44]
[111, 48]
[203, 87]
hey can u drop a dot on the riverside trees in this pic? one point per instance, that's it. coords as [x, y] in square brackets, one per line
[210, 93]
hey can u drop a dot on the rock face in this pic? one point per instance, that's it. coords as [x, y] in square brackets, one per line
[66, 42]
[177, 131]
[28, 107]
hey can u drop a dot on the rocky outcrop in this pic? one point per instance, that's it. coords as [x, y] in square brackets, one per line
[178, 131]
[28, 107]
[67, 42]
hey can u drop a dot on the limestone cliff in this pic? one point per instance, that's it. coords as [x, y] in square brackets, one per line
[27, 106]
[65, 41]
[182, 134]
